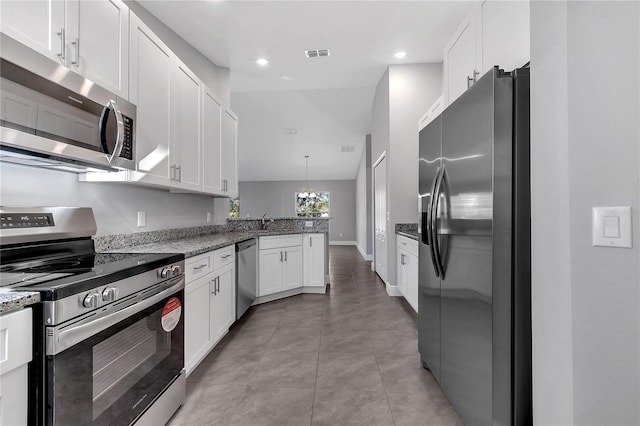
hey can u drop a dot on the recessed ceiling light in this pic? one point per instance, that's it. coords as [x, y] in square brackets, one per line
[262, 61]
[400, 55]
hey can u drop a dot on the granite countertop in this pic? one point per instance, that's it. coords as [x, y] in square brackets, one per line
[13, 300]
[197, 245]
[409, 234]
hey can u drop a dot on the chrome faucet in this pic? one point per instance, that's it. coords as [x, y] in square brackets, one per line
[263, 221]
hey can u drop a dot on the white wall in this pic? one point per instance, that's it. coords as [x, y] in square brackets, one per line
[585, 112]
[115, 205]
[404, 93]
[277, 199]
[364, 195]
[214, 76]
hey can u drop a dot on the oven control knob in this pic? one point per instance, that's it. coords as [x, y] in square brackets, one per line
[110, 294]
[176, 270]
[165, 272]
[91, 300]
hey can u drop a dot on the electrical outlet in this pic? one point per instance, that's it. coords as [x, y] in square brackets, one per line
[308, 224]
[142, 219]
[208, 217]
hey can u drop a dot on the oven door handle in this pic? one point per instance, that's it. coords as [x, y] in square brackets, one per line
[64, 338]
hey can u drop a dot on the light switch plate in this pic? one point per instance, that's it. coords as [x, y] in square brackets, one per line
[142, 219]
[611, 226]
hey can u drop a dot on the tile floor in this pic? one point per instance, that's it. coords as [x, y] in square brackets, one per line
[348, 357]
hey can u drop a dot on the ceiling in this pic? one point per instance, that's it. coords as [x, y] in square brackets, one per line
[296, 106]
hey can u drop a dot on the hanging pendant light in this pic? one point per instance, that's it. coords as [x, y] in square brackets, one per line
[307, 193]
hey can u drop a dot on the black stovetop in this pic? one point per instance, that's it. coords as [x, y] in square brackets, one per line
[61, 269]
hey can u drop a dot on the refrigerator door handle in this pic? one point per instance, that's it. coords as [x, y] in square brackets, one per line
[435, 246]
[430, 230]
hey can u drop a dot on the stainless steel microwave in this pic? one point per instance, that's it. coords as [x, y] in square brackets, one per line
[51, 116]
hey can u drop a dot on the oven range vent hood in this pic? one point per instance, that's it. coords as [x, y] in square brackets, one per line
[52, 117]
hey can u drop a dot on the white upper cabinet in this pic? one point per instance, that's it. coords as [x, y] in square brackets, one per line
[39, 24]
[89, 37]
[187, 142]
[229, 152]
[505, 34]
[463, 57]
[211, 142]
[100, 42]
[494, 33]
[150, 89]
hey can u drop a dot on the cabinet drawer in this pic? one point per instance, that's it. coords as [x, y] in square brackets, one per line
[198, 266]
[224, 256]
[407, 244]
[280, 241]
[15, 340]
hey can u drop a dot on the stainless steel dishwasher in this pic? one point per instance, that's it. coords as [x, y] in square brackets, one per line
[245, 275]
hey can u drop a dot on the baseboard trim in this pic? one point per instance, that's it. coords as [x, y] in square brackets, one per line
[342, 243]
[393, 290]
[364, 255]
[315, 290]
[287, 293]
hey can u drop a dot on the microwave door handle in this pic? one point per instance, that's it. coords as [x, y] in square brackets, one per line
[435, 246]
[112, 106]
[60, 340]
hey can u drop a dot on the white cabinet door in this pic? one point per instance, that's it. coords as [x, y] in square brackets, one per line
[463, 57]
[411, 270]
[150, 89]
[271, 271]
[223, 301]
[197, 332]
[98, 39]
[505, 34]
[39, 24]
[314, 260]
[211, 135]
[292, 267]
[229, 147]
[402, 272]
[187, 89]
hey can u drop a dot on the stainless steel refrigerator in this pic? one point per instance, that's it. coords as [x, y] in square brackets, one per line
[474, 318]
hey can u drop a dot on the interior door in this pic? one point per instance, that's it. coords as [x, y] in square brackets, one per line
[380, 214]
[429, 161]
[466, 292]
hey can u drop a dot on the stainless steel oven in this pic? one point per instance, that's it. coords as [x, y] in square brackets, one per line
[50, 115]
[109, 330]
[107, 367]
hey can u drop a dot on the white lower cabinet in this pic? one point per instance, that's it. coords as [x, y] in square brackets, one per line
[280, 264]
[15, 354]
[210, 304]
[408, 270]
[313, 254]
[197, 321]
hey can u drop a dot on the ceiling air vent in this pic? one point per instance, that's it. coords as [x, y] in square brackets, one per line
[315, 53]
[346, 148]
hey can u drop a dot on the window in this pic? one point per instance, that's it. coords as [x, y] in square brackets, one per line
[234, 207]
[317, 206]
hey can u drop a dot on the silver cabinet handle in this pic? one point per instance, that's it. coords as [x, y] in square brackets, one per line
[401, 259]
[280, 256]
[195, 268]
[471, 80]
[76, 44]
[215, 289]
[285, 256]
[173, 172]
[61, 34]
[226, 256]
[218, 283]
[179, 172]
[310, 241]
